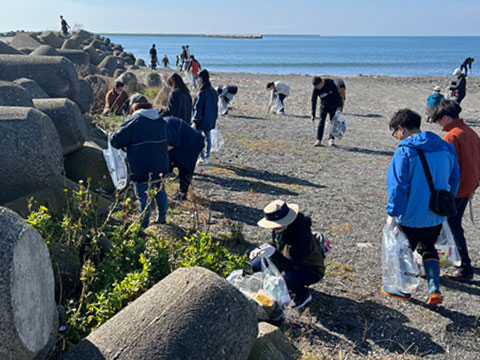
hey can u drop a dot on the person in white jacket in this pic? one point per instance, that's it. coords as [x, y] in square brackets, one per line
[279, 91]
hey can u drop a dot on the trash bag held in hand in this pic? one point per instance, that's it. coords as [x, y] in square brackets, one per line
[447, 248]
[222, 105]
[337, 126]
[277, 105]
[116, 165]
[188, 78]
[399, 270]
[216, 139]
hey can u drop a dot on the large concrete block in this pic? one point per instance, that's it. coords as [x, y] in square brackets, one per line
[191, 314]
[32, 88]
[28, 316]
[77, 57]
[92, 52]
[88, 163]
[140, 62]
[100, 85]
[153, 79]
[271, 344]
[24, 41]
[55, 75]
[85, 97]
[68, 122]
[51, 38]
[31, 152]
[6, 49]
[12, 94]
[71, 43]
[45, 50]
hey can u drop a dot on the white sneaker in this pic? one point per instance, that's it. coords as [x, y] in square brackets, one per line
[204, 162]
[331, 142]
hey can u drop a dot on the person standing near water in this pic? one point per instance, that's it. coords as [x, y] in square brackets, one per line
[467, 63]
[165, 61]
[153, 57]
[330, 102]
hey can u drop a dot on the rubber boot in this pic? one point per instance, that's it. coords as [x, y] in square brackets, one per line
[432, 272]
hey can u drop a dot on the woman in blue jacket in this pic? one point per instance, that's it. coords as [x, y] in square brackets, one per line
[409, 193]
[205, 111]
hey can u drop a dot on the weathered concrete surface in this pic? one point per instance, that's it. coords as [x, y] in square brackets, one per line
[153, 79]
[71, 43]
[6, 49]
[84, 97]
[140, 62]
[68, 122]
[28, 316]
[55, 75]
[45, 50]
[129, 79]
[77, 57]
[88, 163]
[100, 85]
[109, 63]
[20, 41]
[51, 38]
[191, 314]
[32, 88]
[95, 58]
[271, 344]
[12, 94]
[31, 152]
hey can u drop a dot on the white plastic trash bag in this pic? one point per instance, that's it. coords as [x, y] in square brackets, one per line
[277, 105]
[261, 286]
[216, 140]
[399, 270]
[116, 165]
[222, 106]
[447, 248]
[337, 126]
[188, 78]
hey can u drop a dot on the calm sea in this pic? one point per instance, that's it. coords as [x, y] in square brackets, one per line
[316, 55]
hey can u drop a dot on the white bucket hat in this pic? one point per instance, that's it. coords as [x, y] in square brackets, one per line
[456, 71]
[277, 214]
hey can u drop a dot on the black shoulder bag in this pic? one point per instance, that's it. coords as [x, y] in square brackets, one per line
[442, 202]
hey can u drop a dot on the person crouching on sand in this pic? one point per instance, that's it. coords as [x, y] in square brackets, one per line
[279, 91]
[294, 250]
[433, 100]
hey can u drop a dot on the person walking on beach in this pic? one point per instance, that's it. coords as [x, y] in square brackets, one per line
[330, 102]
[279, 91]
[467, 62]
[165, 61]
[184, 154]
[433, 100]
[460, 87]
[342, 90]
[467, 146]
[294, 250]
[64, 26]
[177, 63]
[205, 112]
[153, 57]
[116, 100]
[188, 59]
[179, 100]
[144, 135]
[409, 193]
[194, 67]
[183, 57]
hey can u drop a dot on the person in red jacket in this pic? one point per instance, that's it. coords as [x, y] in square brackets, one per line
[467, 146]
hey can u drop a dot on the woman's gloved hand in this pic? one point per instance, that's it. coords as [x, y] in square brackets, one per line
[264, 250]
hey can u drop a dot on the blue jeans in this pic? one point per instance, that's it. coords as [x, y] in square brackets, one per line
[455, 223]
[195, 79]
[140, 191]
[297, 279]
[206, 155]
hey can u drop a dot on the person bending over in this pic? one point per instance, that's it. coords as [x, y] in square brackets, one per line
[225, 95]
[279, 91]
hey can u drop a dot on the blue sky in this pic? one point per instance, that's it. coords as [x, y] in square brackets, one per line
[346, 17]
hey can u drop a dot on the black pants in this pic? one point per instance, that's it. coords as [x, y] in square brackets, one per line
[424, 239]
[323, 116]
[455, 223]
[184, 177]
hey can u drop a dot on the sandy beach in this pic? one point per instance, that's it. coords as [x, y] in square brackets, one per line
[344, 189]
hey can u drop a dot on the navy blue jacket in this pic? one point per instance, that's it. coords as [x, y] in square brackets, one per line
[144, 135]
[205, 109]
[187, 143]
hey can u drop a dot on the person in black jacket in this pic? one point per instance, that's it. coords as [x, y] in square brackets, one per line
[467, 63]
[330, 102]
[205, 112]
[144, 135]
[179, 100]
[298, 255]
[461, 86]
[184, 155]
[153, 57]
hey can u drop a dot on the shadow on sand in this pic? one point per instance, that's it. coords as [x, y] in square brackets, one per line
[366, 151]
[238, 212]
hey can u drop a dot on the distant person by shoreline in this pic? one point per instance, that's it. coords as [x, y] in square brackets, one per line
[64, 25]
[165, 61]
[194, 67]
[153, 57]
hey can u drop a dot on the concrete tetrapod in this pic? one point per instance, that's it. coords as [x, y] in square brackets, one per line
[28, 315]
[191, 314]
[12, 94]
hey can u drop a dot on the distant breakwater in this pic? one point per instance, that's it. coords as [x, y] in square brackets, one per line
[231, 36]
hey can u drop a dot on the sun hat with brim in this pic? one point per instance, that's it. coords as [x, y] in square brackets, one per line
[137, 98]
[456, 71]
[437, 88]
[277, 214]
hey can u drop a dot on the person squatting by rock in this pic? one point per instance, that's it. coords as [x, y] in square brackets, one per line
[179, 100]
[205, 112]
[409, 193]
[433, 100]
[467, 146]
[144, 136]
[296, 252]
[225, 95]
[330, 102]
[116, 100]
[187, 145]
[279, 91]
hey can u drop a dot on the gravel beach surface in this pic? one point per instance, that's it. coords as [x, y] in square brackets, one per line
[267, 156]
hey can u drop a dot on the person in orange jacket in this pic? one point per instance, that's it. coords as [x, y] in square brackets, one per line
[467, 146]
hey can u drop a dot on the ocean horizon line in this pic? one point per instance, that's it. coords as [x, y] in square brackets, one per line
[253, 36]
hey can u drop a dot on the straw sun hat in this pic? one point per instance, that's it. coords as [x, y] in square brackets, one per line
[277, 214]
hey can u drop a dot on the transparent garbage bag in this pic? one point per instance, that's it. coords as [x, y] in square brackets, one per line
[447, 250]
[222, 106]
[216, 140]
[337, 126]
[399, 269]
[266, 287]
[188, 78]
[277, 105]
[116, 165]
